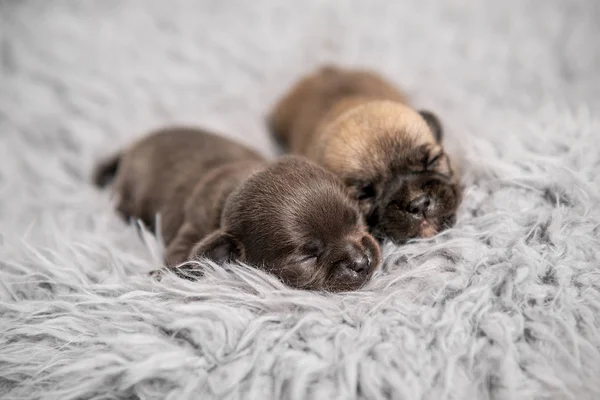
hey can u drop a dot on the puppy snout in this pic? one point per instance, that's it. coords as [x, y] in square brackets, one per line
[371, 250]
[357, 259]
[361, 264]
[419, 205]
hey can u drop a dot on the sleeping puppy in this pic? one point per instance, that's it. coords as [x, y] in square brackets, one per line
[390, 156]
[220, 200]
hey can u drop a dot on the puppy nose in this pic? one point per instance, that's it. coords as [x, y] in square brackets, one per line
[357, 259]
[419, 205]
[360, 264]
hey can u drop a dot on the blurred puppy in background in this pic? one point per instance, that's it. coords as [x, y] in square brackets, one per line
[390, 156]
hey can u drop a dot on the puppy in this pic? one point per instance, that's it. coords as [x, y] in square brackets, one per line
[221, 200]
[359, 126]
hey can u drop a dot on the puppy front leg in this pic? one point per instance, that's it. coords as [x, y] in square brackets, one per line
[180, 247]
[178, 252]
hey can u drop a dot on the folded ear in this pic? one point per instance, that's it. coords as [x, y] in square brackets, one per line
[434, 124]
[219, 246]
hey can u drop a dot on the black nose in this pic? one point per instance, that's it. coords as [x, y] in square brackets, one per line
[360, 264]
[418, 205]
[355, 258]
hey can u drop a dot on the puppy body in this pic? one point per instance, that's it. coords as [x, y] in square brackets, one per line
[181, 175]
[321, 97]
[221, 200]
[390, 156]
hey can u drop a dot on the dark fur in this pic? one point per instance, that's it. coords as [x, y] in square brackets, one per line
[220, 200]
[390, 156]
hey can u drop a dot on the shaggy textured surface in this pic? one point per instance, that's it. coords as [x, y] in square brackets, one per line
[505, 306]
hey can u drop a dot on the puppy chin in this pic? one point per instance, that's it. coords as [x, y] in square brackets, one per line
[432, 226]
[427, 229]
[345, 281]
[340, 280]
[400, 235]
[300, 277]
[424, 229]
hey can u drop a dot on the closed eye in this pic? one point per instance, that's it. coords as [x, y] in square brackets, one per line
[308, 259]
[365, 192]
[432, 162]
[311, 249]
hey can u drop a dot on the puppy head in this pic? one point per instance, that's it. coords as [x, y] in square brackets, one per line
[391, 157]
[294, 219]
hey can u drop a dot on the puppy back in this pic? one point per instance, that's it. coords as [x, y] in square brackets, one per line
[296, 116]
[159, 172]
[369, 136]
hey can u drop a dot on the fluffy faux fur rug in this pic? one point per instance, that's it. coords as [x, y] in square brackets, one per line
[505, 306]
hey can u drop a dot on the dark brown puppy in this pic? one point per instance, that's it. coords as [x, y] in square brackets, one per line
[358, 125]
[223, 201]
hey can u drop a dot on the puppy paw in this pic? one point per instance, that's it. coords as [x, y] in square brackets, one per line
[185, 271]
[157, 274]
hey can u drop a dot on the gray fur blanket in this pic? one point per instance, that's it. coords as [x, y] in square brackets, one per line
[504, 306]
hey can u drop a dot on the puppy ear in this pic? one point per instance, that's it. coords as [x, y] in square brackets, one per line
[434, 124]
[219, 246]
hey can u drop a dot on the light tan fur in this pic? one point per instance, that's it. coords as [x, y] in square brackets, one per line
[361, 127]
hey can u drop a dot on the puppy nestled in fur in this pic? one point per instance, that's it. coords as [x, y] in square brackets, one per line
[390, 156]
[221, 200]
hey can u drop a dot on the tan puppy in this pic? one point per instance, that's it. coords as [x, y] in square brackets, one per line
[221, 200]
[391, 157]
